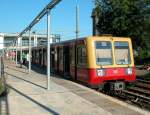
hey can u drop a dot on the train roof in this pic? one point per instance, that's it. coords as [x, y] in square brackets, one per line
[69, 41]
[105, 37]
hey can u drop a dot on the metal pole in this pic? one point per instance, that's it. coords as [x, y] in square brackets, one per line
[16, 51]
[13, 50]
[29, 56]
[48, 49]
[21, 51]
[77, 20]
[77, 36]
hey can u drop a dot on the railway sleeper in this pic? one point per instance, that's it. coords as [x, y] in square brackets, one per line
[136, 99]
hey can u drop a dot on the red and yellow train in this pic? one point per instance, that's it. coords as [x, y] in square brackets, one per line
[101, 62]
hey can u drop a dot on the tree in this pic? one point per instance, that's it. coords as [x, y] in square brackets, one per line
[125, 18]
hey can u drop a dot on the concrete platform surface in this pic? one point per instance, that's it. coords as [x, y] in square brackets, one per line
[28, 96]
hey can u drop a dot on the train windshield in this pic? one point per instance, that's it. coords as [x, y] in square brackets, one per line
[122, 53]
[103, 53]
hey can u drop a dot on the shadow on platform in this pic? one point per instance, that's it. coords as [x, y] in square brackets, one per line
[25, 80]
[34, 101]
[16, 69]
[37, 68]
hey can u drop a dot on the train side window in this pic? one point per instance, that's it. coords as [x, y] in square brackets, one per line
[37, 54]
[61, 56]
[81, 55]
[84, 55]
[55, 57]
[72, 55]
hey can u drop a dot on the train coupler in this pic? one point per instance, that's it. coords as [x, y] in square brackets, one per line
[117, 86]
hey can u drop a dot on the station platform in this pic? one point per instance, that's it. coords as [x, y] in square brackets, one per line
[27, 95]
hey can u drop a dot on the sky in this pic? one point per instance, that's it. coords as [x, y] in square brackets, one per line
[15, 15]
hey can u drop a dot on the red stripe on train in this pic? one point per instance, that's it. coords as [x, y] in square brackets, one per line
[111, 74]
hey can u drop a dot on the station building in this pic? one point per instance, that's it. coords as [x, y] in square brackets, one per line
[10, 40]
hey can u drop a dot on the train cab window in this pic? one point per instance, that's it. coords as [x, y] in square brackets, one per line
[81, 55]
[122, 53]
[103, 52]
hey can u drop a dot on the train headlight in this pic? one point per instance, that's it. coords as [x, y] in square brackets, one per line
[129, 71]
[100, 72]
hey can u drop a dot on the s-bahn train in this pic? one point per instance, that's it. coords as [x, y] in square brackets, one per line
[104, 62]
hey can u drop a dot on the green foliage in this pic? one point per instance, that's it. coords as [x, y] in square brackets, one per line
[1, 86]
[129, 18]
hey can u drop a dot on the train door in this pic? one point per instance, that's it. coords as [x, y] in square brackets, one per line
[72, 61]
[66, 61]
[40, 57]
[57, 59]
[52, 58]
[45, 57]
[32, 56]
[61, 60]
[82, 71]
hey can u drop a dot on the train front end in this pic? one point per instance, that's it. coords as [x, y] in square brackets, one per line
[111, 63]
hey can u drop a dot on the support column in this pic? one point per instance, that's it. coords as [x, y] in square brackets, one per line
[29, 56]
[35, 40]
[20, 42]
[48, 49]
[13, 51]
[16, 51]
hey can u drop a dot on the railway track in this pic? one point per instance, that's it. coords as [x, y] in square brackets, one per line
[139, 93]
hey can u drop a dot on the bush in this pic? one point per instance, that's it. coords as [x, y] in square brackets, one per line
[2, 88]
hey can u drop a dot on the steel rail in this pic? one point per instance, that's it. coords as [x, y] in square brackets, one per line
[144, 81]
[137, 95]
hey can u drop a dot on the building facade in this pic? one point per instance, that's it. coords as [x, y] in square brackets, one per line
[10, 40]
